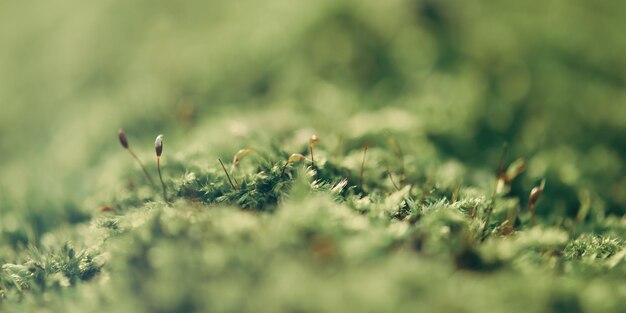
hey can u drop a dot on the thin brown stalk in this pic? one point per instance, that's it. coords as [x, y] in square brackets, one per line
[391, 178]
[227, 175]
[505, 148]
[161, 178]
[143, 168]
[363, 165]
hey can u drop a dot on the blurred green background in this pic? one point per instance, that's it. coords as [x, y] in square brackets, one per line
[548, 77]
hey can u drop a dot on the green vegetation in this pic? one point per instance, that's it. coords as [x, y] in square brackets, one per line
[403, 200]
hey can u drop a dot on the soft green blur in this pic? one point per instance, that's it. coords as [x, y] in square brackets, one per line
[546, 77]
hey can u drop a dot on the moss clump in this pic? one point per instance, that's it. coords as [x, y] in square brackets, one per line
[403, 207]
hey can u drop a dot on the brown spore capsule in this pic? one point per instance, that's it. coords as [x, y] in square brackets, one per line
[122, 136]
[158, 145]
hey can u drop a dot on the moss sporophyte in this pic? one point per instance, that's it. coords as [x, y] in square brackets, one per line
[121, 135]
[158, 147]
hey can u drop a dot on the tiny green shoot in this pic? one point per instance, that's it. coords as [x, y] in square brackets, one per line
[293, 158]
[314, 140]
[237, 158]
[535, 194]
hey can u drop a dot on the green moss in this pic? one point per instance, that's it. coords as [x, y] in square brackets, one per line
[431, 88]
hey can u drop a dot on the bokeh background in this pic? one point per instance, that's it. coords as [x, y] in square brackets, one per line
[461, 76]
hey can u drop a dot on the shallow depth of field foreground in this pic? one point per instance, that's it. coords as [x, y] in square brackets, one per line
[316, 156]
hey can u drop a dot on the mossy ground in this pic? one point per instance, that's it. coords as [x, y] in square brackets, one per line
[431, 88]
